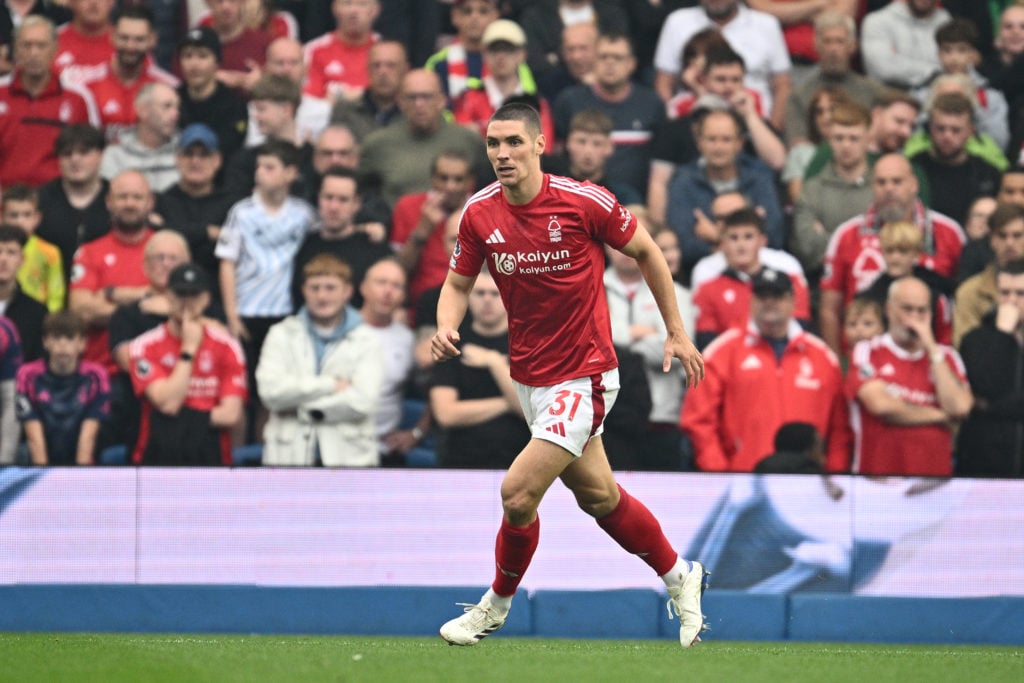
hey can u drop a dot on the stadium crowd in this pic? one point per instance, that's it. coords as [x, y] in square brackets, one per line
[225, 225]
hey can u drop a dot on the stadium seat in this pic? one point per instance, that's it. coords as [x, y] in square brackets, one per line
[249, 455]
[113, 455]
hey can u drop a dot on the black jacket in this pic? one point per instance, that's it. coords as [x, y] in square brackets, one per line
[991, 441]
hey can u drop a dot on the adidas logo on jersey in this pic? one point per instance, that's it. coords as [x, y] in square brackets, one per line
[495, 238]
[557, 428]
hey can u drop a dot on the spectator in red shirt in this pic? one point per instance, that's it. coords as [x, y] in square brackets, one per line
[108, 271]
[130, 68]
[35, 105]
[759, 378]
[243, 49]
[338, 60]
[417, 233]
[191, 375]
[84, 44]
[909, 391]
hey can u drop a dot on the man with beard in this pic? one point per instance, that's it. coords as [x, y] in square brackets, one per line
[418, 233]
[108, 272]
[853, 258]
[128, 70]
[908, 391]
[955, 176]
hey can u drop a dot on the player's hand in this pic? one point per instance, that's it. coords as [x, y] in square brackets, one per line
[433, 211]
[1007, 317]
[442, 345]
[374, 230]
[679, 346]
[922, 329]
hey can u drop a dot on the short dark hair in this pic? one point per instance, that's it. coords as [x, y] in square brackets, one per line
[954, 103]
[1003, 215]
[342, 172]
[79, 136]
[795, 437]
[285, 151]
[743, 217]
[890, 96]
[517, 111]
[592, 121]
[615, 36]
[21, 193]
[1014, 267]
[12, 233]
[958, 30]
[140, 12]
[699, 43]
[722, 54]
[456, 154]
[63, 324]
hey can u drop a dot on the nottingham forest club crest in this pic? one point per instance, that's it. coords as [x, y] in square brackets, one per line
[554, 230]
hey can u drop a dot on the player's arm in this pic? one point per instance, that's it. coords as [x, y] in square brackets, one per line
[451, 309]
[876, 399]
[830, 316]
[658, 277]
[227, 413]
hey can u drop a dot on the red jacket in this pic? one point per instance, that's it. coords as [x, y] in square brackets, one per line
[747, 395]
[29, 127]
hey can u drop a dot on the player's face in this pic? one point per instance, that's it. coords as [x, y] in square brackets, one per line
[740, 245]
[588, 152]
[10, 260]
[383, 288]
[899, 260]
[1008, 242]
[80, 166]
[63, 352]
[861, 326]
[25, 215]
[338, 203]
[514, 154]
[326, 297]
[133, 39]
[949, 133]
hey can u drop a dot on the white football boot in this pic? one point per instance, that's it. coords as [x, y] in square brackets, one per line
[684, 601]
[478, 622]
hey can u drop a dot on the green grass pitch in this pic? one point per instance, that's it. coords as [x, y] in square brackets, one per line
[88, 657]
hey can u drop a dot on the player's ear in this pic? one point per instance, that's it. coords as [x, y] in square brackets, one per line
[541, 143]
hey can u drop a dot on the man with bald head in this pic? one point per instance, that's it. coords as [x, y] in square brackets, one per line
[108, 272]
[853, 259]
[579, 57]
[401, 153]
[909, 391]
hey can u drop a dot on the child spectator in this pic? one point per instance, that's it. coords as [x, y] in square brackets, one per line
[62, 399]
[10, 359]
[257, 249]
[958, 54]
[22, 310]
[41, 275]
[724, 302]
[588, 147]
[863, 319]
[902, 245]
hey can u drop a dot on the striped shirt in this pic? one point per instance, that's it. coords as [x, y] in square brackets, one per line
[263, 247]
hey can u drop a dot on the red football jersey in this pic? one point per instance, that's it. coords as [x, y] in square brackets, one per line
[107, 262]
[547, 259]
[81, 58]
[882, 448]
[331, 62]
[853, 259]
[724, 302]
[218, 371]
[433, 263]
[115, 99]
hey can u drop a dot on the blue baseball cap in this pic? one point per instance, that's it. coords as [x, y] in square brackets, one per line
[199, 134]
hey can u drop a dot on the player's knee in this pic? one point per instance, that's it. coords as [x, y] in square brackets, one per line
[520, 507]
[597, 502]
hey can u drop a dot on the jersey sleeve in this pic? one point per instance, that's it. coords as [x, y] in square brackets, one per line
[612, 223]
[834, 275]
[144, 370]
[468, 256]
[316, 83]
[84, 274]
[25, 407]
[97, 407]
[10, 350]
[232, 370]
[861, 370]
[229, 244]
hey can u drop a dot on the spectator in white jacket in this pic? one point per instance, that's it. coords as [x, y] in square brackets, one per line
[320, 375]
[898, 42]
[637, 325]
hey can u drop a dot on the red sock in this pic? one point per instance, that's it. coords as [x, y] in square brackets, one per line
[633, 527]
[512, 554]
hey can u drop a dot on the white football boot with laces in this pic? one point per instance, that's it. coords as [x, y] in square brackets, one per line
[684, 601]
[478, 622]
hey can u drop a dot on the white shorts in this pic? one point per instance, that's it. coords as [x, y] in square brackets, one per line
[571, 413]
